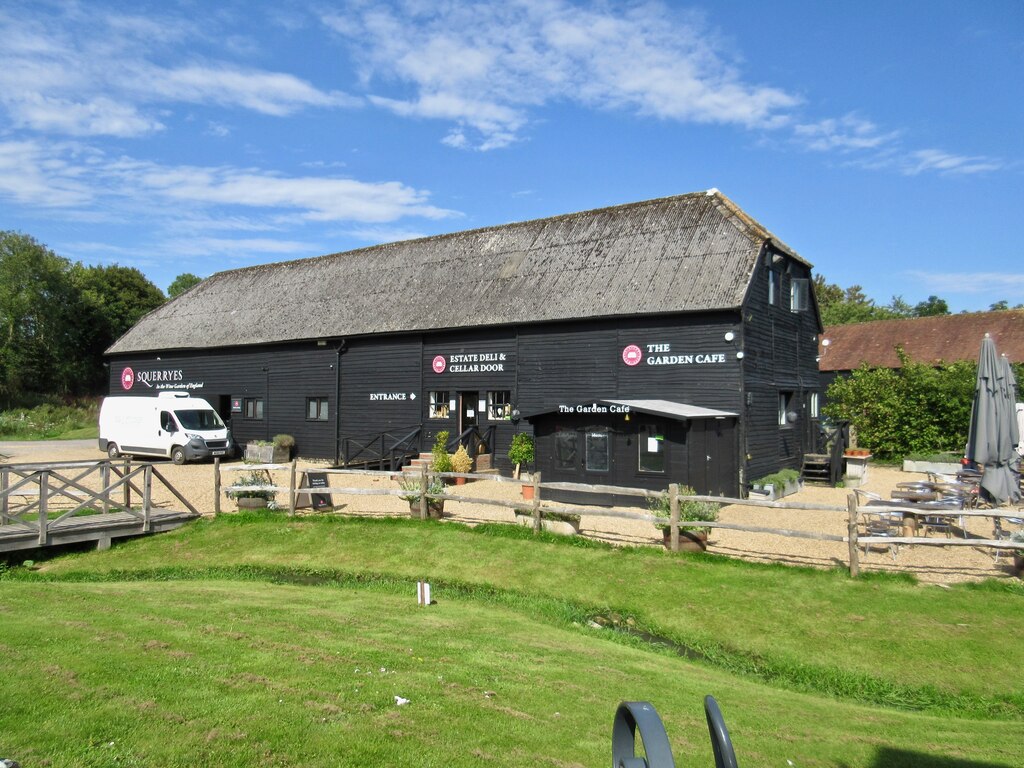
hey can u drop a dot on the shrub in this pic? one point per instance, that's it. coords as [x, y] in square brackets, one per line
[689, 509]
[441, 459]
[284, 441]
[237, 490]
[779, 479]
[461, 462]
[521, 451]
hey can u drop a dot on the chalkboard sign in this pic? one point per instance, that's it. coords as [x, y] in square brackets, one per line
[314, 500]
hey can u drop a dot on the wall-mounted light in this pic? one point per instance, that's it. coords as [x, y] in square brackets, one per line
[739, 355]
[627, 417]
[729, 335]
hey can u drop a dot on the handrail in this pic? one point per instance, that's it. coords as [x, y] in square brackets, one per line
[472, 439]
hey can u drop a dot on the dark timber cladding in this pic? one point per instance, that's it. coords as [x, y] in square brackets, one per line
[683, 307]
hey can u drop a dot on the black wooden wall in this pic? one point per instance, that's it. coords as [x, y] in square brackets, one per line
[736, 361]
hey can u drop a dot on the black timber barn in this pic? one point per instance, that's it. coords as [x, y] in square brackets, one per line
[672, 340]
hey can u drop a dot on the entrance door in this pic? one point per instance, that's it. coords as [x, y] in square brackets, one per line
[711, 461]
[468, 415]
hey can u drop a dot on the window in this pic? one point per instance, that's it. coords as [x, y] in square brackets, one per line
[498, 406]
[254, 407]
[566, 450]
[316, 408]
[439, 405]
[774, 286]
[597, 452]
[786, 414]
[651, 445]
[799, 294]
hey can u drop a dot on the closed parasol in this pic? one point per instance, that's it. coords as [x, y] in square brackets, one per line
[993, 434]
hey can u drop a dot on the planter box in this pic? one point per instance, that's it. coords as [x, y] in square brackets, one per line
[773, 493]
[551, 526]
[247, 502]
[940, 468]
[267, 454]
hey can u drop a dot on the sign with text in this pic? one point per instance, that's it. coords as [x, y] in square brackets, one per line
[661, 354]
[470, 362]
[306, 498]
[159, 378]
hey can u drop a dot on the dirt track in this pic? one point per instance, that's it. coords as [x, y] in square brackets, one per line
[931, 564]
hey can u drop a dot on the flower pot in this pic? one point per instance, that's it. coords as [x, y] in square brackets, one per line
[435, 509]
[249, 502]
[689, 541]
[460, 481]
[527, 491]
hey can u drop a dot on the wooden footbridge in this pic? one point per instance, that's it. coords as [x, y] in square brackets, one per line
[46, 505]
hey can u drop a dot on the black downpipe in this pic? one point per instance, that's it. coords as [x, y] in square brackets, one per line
[338, 350]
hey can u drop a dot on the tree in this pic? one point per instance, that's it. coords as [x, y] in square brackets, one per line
[917, 408]
[182, 283]
[113, 299]
[39, 312]
[931, 307]
[841, 306]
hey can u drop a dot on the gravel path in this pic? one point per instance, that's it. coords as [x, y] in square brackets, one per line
[931, 564]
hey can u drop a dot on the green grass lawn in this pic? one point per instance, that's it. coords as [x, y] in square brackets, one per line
[261, 639]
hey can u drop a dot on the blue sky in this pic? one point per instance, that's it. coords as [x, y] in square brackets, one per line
[883, 141]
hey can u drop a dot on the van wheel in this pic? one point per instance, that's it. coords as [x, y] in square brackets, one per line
[178, 455]
[112, 452]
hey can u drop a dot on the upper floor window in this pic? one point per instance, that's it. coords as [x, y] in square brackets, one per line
[799, 294]
[786, 414]
[774, 286]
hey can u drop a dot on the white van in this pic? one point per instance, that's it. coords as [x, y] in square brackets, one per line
[173, 424]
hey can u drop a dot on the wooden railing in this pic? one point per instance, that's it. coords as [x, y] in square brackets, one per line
[70, 489]
[539, 508]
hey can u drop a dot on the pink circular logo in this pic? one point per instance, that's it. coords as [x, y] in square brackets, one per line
[632, 355]
[127, 378]
[439, 364]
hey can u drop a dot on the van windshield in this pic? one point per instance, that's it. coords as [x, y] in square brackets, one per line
[207, 419]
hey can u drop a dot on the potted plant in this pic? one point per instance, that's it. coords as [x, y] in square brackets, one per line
[247, 494]
[778, 484]
[691, 539]
[283, 445]
[411, 493]
[276, 451]
[442, 460]
[520, 452]
[461, 463]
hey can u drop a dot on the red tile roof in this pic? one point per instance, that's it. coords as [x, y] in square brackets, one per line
[944, 338]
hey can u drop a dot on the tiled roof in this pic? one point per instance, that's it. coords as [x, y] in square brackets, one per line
[940, 339]
[688, 253]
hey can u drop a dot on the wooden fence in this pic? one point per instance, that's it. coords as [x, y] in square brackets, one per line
[539, 508]
[69, 501]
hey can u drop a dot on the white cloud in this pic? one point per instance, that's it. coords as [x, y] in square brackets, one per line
[485, 66]
[71, 71]
[973, 283]
[63, 176]
[846, 133]
[946, 163]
